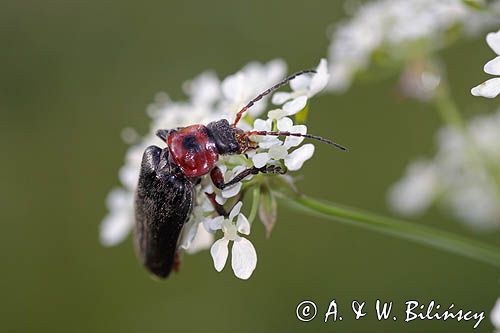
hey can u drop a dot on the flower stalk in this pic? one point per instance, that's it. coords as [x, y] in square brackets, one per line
[447, 109]
[416, 233]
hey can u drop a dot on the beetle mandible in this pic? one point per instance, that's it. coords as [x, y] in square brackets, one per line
[165, 191]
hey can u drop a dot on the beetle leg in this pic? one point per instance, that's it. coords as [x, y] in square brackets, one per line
[218, 178]
[177, 261]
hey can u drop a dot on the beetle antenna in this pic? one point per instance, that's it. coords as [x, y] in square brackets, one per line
[308, 136]
[267, 92]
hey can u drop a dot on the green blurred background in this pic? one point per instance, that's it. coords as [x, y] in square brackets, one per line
[74, 73]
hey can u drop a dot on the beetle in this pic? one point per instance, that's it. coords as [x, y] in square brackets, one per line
[165, 193]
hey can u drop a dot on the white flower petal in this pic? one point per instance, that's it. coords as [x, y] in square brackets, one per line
[202, 240]
[116, 226]
[243, 258]
[342, 76]
[281, 97]
[300, 82]
[220, 199]
[128, 176]
[188, 233]
[495, 315]
[251, 153]
[206, 206]
[243, 225]
[295, 105]
[302, 129]
[278, 152]
[285, 124]
[296, 159]
[275, 69]
[214, 223]
[207, 223]
[276, 114]
[489, 89]
[260, 159]
[231, 191]
[129, 173]
[493, 40]
[294, 141]
[239, 168]
[204, 89]
[223, 168]
[493, 66]
[416, 190]
[219, 252]
[233, 86]
[118, 199]
[209, 189]
[235, 211]
[261, 125]
[320, 79]
[269, 142]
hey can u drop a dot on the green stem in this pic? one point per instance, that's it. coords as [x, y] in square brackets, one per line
[414, 232]
[255, 203]
[447, 108]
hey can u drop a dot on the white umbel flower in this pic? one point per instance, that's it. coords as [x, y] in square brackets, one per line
[243, 255]
[415, 192]
[495, 315]
[117, 224]
[394, 29]
[490, 88]
[463, 176]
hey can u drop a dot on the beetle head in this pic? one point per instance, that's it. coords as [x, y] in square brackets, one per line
[228, 139]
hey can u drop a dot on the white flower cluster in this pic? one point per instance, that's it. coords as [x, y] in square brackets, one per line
[495, 316]
[396, 29]
[211, 99]
[464, 175]
[491, 87]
